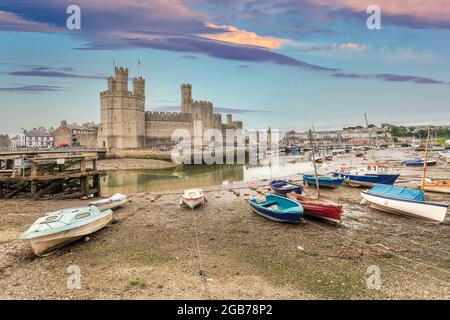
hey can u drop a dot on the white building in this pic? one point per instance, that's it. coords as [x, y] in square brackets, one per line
[33, 139]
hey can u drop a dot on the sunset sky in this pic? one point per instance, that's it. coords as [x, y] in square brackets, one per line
[282, 63]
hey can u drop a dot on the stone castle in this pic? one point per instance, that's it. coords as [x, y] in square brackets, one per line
[126, 125]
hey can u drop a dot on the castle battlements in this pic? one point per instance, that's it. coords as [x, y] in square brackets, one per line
[167, 116]
[115, 93]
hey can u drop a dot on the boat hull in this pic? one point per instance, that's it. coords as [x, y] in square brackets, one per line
[282, 188]
[437, 189]
[48, 243]
[426, 211]
[332, 182]
[112, 205]
[193, 202]
[367, 180]
[293, 216]
[319, 209]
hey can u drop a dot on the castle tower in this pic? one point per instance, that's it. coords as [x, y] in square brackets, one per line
[139, 87]
[229, 120]
[186, 98]
[122, 113]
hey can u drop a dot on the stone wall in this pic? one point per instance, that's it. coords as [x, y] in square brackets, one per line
[159, 126]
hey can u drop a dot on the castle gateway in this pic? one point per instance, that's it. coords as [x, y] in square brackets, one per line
[126, 125]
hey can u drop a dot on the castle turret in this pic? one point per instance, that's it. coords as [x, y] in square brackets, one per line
[121, 79]
[186, 98]
[139, 87]
[229, 120]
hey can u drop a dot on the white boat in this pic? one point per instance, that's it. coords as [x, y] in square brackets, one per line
[192, 198]
[58, 228]
[405, 201]
[113, 202]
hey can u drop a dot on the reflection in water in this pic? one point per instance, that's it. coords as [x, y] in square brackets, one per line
[133, 181]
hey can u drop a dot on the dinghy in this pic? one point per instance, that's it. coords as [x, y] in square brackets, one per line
[374, 173]
[113, 202]
[282, 187]
[277, 208]
[418, 163]
[440, 186]
[318, 208]
[324, 181]
[405, 201]
[58, 228]
[192, 198]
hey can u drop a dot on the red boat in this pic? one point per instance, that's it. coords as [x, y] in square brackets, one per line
[318, 208]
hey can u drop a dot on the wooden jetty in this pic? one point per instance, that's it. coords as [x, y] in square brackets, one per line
[62, 176]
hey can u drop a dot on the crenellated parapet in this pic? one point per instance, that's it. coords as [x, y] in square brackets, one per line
[116, 93]
[167, 116]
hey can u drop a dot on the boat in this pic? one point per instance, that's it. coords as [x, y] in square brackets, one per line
[329, 157]
[277, 208]
[113, 202]
[359, 154]
[372, 174]
[282, 187]
[58, 228]
[192, 198]
[318, 208]
[418, 163]
[324, 181]
[405, 201]
[440, 186]
[295, 150]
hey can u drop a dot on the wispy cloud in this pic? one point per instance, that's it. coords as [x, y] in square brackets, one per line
[234, 110]
[389, 77]
[53, 74]
[10, 21]
[349, 46]
[32, 89]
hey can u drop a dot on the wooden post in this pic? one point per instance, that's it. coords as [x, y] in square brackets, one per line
[34, 169]
[96, 184]
[1, 189]
[34, 188]
[83, 165]
[314, 162]
[425, 162]
[94, 164]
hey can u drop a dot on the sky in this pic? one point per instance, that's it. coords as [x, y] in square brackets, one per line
[284, 63]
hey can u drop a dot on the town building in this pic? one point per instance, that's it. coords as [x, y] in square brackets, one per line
[73, 135]
[125, 124]
[33, 139]
[5, 142]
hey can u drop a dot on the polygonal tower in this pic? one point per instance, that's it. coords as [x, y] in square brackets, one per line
[122, 113]
[186, 98]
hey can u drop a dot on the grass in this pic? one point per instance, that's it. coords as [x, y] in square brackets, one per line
[137, 283]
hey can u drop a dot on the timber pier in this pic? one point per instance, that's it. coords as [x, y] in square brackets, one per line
[39, 176]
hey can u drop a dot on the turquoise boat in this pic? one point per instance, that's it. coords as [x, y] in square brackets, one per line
[58, 228]
[277, 208]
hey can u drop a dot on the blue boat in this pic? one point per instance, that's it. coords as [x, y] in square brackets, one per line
[282, 187]
[324, 181]
[418, 163]
[278, 209]
[295, 150]
[375, 173]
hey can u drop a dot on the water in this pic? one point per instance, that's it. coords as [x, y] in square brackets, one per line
[199, 176]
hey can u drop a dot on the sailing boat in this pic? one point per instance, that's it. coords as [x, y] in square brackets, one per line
[314, 206]
[374, 173]
[406, 201]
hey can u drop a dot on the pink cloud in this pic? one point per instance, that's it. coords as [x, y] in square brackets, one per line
[435, 11]
[234, 35]
[12, 22]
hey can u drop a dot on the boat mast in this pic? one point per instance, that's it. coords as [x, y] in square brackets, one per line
[314, 162]
[425, 162]
[370, 137]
